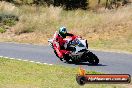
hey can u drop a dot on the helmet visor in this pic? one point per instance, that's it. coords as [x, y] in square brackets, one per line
[64, 31]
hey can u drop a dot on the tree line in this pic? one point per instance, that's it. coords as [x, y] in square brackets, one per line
[70, 4]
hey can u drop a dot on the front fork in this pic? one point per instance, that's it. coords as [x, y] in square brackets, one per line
[86, 44]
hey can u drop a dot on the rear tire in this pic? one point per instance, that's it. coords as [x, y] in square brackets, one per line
[92, 58]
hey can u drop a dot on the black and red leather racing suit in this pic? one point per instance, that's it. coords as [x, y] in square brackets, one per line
[58, 44]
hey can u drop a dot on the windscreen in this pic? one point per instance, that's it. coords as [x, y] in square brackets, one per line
[77, 42]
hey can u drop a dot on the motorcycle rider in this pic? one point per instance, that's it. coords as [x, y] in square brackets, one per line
[59, 42]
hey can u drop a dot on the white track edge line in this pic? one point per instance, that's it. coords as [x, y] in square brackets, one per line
[25, 60]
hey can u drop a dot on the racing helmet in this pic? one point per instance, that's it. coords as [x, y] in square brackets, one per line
[63, 32]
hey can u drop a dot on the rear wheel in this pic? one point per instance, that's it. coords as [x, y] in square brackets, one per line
[92, 58]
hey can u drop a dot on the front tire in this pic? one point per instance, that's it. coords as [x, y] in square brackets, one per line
[67, 58]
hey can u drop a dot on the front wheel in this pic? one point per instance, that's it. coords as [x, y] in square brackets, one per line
[67, 58]
[92, 58]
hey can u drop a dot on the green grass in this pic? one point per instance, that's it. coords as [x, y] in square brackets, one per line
[2, 30]
[20, 74]
[112, 45]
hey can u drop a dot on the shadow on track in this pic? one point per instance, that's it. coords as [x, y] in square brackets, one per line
[88, 64]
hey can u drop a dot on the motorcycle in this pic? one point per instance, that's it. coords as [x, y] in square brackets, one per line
[78, 51]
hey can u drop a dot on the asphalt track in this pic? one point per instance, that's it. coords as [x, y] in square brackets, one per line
[110, 62]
